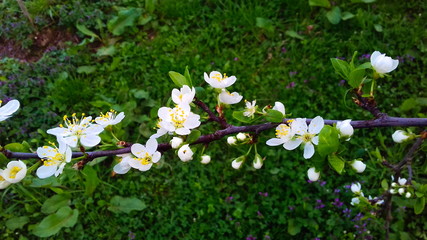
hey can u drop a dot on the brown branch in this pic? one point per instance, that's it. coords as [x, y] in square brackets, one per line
[212, 116]
[369, 104]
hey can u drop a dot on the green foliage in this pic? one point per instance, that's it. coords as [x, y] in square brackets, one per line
[120, 204]
[50, 225]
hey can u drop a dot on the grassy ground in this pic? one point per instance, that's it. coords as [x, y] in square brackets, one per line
[278, 50]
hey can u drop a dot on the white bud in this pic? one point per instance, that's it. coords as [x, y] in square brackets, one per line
[231, 140]
[355, 201]
[176, 142]
[394, 184]
[402, 181]
[345, 128]
[383, 64]
[401, 191]
[408, 195]
[257, 162]
[400, 136]
[185, 153]
[206, 159]
[241, 136]
[356, 187]
[312, 174]
[359, 166]
[237, 163]
[393, 191]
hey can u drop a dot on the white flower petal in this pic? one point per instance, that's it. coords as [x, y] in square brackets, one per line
[275, 141]
[308, 150]
[46, 171]
[292, 144]
[151, 146]
[316, 125]
[90, 140]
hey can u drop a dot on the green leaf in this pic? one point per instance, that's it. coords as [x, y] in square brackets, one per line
[347, 15]
[319, 3]
[293, 227]
[238, 115]
[50, 225]
[17, 222]
[86, 69]
[91, 179]
[178, 78]
[55, 202]
[341, 67]
[384, 184]
[120, 204]
[150, 5]
[419, 205]
[126, 18]
[188, 77]
[274, 116]
[378, 27]
[334, 15]
[140, 94]
[294, 34]
[355, 78]
[328, 141]
[336, 162]
[265, 24]
[16, 147]
[106, 51]
[83, 29]
[194, 135]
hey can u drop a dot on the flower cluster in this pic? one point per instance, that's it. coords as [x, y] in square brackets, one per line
[141, 158]
[401, 187]
[216, 80]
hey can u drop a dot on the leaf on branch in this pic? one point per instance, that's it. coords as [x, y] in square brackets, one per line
[238, 115]
[274, 116]
[341, 67]
[419, 205]
[179, 79]
[328, 141]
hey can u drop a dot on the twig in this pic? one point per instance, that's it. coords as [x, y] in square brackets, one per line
[368, 104]
[212, 116]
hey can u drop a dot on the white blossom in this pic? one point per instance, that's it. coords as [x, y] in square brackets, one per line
[176, 142]
[178, 119]
[8, 109]
[3, 183]
[401, 191]
[345, 129]
[237, 163]
[184, 96]
[229, 98]
[231, 140]
[216, 80]
[250, 109]
[401, 181]
[313, 175]
[408, 195]
[110, 118]
[258, 161]
[144, 158]
[355, 201]
[206, 159]
[283, 135]
[356, 188]
[54, 160]
[383, 64]
[359, 166]
[241, 136]
[14, 172]
[185, 153]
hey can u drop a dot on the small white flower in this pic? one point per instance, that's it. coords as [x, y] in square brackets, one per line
[401, 191]
[184, 96]
[383, 64]
[356, 188]
[54, 160]
[394, 184]
[408, 195]
[14, 172]
[110, 118]
[355, 201]
[393, 191]
[241, 136]
[3, 183]
[359, 166]
[400, 136]
[278, 106]
[8, 109]
[307, 135]
[345, 129]
[216, 80]
[78, 130]
[178, 119]
[313, 175]
[237, 163]
[176, 142]
[229, 98]
[250, 109]
[185, 153]
[401, 181]
[144, 158]
[231, 140]
[258, 161]
[283, 134]
[206, 159]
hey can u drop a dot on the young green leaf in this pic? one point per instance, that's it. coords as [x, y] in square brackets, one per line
[238, 115]
[328, 141]
[274, 116]
[419, 205]
[55, 202]
[178, 78]
[336, 162]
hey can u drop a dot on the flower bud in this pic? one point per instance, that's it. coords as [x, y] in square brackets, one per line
[206, 159]
[241, 136]
[400, 136]
[14, 172]
[231, 140]
[393, 191]
[383, 64]
[394, 184]
[402, 181]
[401, 191]
[312, 174]
[359, 166]
[237, 163]
[185, 153]
[257, 161]
[408, 195]
[176, 142]
[355, 201]
[345, 129]
[356, 187]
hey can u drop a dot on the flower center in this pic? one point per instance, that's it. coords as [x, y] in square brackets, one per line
[282, 131]
[14, 171]
[145, 160]
[307, 137]
[219, 77]
[178, 116]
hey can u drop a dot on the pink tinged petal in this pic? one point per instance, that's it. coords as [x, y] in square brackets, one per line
[316, 125]
[138, 150]
[70, 141]
[275, 141]
[46, 171]
[182, 131]
[292, 144]
[122, 167]
[10, 107]
[145, 167]
[308, 150]
[90, 140]
[156, 157]
[315, 140]
[151, 145]
[299, 126]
